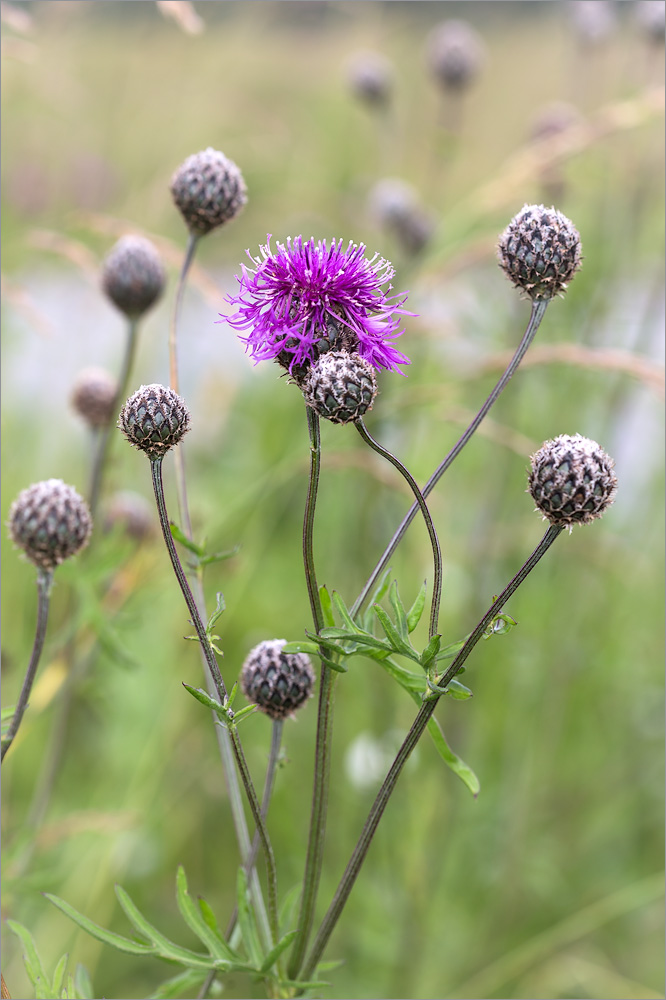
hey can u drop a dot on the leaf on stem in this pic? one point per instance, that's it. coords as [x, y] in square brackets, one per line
[116, 941]
[393, 635]
[216, 945]
[416, 610]
[326, 606]
[246, 920]
[451, 759]
[399, 610]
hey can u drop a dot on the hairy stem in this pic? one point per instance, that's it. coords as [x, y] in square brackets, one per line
[104, 437]
[418, 727]
[536, 315]
[434, 541]
[322, 763]
[44, 582]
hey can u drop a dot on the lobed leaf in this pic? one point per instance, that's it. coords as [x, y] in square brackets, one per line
[164, 948]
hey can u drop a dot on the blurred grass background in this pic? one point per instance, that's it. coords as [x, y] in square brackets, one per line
[546, 885]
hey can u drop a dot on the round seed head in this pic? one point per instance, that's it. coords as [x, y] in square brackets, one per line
[370, 77]
[455, 54]
[50, 522]
[540, 251]
[572, 480]
[340, 387]
[209, 190]
[133, 275]
[94, 395]
[651, 18]
[133, 513]
[154, 419]
[277, 683]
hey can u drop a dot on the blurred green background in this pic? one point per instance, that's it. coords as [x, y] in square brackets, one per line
[548, 884]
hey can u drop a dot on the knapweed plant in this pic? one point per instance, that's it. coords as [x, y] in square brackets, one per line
[325, 312]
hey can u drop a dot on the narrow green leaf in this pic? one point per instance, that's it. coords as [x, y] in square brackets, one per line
[219, 556]
[181, 537]
[448, 652]
[274, 953]
[31, 959]
[165, 948]
[399, 610]
[326, 606]
[209, 916]
[244, 712]
[204, 698]
[219, 610]
[369, 640]
[337, 665]
[377, 597]
[59, 976]
[286, 916]
[116, 941]
[83, 986]
[301, 647]
[458, 690]
[343, 611]
[416, 610]
[414, 683]
[451, 759]
[393, 636]
[246, 920]
[184, 984]
[430, 652]
[217, 946]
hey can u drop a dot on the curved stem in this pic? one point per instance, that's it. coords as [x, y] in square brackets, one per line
[418, 727]
[322, 763]
[218, 681]
[538, 310]
[44, 582]
[434, 541]
[173, 378]
[102, 450]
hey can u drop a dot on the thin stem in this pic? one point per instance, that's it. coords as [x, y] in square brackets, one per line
[44, 582]
[322, 762]
[434, 541]
[538, 309]
[224, 741]
[204, 641]
[271, 870]
[418, 727]
[104, 438]
[173, 379]
[271, 768]
[218, 681]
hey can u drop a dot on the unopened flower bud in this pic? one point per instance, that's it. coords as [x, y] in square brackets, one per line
[370, 77]
[277, 683]
[572, 480]
[133, 275]
[340, 387]
[50, 522]
[209, 190]
[154, 419]
[540, 251]
[94, 395]
[455, 54]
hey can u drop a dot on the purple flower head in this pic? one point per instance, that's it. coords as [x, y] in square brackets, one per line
[304, 299]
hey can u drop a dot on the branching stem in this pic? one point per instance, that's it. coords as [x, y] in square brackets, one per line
[536, 315]
[418, 727]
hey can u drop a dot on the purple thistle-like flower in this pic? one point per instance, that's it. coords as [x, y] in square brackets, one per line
[308, 297]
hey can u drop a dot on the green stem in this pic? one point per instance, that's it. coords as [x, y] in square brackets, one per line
[418, 727]
[103, 441]
[44, 582]
[322, 763]
[536, 315]
[434, 541]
